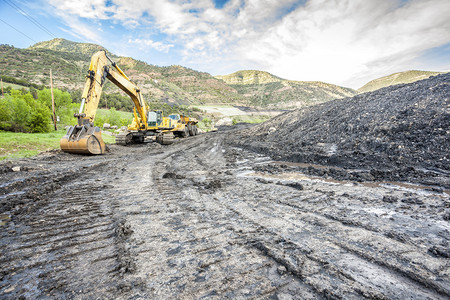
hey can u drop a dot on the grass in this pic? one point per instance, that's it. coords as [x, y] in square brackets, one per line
[251, 119]
[15, 145]
[14, 86]
[101, 112]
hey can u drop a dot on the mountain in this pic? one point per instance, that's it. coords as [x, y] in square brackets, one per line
[69, 62]
[264, 89]
[396, 78]
[62, 45]
[249, 77]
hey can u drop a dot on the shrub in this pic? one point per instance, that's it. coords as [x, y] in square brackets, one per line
[114, 117]
[22, 113]
[39, 120]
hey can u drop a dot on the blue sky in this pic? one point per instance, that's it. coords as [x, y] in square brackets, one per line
[342, 42]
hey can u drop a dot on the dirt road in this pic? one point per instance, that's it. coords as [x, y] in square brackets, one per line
[202, 219]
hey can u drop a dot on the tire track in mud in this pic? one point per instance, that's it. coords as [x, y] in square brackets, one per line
[393, 272]
[307, 229]
[68, 244]
[196, 252]
[188, 221]
[340, 255]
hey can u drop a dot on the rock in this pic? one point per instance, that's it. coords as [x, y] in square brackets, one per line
[16, 169]
[106, 126]
[271, 130]
[114, 127]
[224, 121]
[439, 251]
[295, 185]
[281, 270]
[366, 176]
[389, 199]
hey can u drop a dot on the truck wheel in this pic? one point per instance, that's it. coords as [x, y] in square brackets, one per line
[191, 129]
[194, 130]
[185, 133]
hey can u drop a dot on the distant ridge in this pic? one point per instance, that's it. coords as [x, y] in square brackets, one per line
[397, 78]
[171, 84]
[261, 88]
[62, 45]
[249, 77]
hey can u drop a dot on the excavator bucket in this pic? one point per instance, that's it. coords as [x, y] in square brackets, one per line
[83, 140]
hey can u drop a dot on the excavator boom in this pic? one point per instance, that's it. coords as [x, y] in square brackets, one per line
[85, 137]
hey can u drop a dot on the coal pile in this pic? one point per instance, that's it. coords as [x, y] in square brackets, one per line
[395, 133]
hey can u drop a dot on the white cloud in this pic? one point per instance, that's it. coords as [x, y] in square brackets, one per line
[90, 9]
[342, 42]
[81, 30]
[152, 44]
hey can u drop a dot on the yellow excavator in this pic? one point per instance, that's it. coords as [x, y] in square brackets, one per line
[85, 138]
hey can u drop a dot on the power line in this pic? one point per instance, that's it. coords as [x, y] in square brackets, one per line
[29, 17]
[18, 30]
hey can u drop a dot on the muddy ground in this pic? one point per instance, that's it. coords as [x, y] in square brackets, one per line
[204, 219]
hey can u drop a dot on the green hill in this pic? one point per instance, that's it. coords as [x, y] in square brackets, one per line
[396, 78]
[62, 45]
[69, 62]
[261, 88]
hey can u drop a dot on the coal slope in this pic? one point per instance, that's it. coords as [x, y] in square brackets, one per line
[395, 133]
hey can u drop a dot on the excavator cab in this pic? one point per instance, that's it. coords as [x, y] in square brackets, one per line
[154, 118]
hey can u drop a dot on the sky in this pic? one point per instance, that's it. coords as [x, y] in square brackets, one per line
[344, 42]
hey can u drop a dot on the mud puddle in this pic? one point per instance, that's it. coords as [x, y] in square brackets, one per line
[402, 186]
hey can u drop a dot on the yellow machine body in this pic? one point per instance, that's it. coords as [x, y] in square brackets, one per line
[83, 142]
[85, 137]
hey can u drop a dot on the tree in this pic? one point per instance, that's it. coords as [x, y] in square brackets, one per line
[63, 103]
[39, 119]
[21, 112]
[5, 113]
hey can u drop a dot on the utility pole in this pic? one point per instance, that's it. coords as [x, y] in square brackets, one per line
[53, 99]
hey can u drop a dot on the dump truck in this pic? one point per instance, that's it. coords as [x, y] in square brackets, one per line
[166, 129]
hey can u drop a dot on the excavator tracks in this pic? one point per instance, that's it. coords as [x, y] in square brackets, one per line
[123, 138]
[165, 138]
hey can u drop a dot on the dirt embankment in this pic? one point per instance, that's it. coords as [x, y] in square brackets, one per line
[396, 133]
